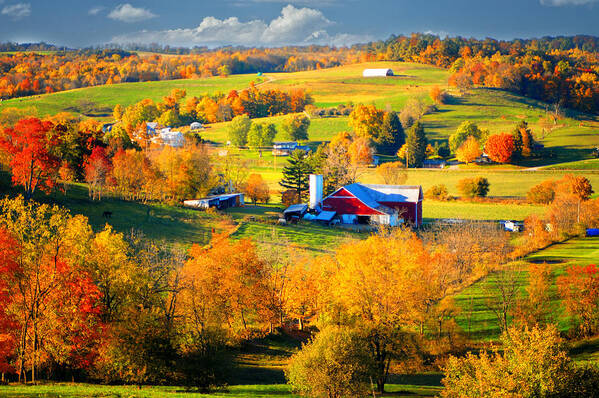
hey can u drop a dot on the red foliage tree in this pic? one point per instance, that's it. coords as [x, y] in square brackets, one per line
[32, 165]
[500, 147]
[8, 265]
[97, 170]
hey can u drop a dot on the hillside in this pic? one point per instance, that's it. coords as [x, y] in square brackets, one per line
[570, 138]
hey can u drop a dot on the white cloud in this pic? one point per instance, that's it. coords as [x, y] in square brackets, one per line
[293, 26]
[127, 13]
[558, 3]
[17, 11]
[95, 10]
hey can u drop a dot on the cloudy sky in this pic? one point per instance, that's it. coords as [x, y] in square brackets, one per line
[278, 22]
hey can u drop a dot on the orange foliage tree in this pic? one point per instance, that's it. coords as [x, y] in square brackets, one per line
[500, 147]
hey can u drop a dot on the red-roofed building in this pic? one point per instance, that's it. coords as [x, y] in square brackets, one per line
[378, 204]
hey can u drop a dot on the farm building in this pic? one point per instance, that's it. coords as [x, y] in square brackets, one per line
[285, 148]
[295, 212]
[217, 201]
[168, 137]
[377, 72]
[378, 204]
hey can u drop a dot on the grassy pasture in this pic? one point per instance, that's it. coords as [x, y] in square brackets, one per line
[77, 390]
[495, 110]
[477, 320]
[107, 96]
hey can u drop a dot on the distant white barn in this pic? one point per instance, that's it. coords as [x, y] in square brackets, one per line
[377, 72]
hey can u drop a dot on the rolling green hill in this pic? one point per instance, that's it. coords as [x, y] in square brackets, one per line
[571, 139]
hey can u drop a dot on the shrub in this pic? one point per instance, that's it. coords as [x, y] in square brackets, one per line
[438, 95]
[437, 192]
[336, 363]
[474, 187]
[533, 363]
[290, 197]
[543, 193]
[203, 361]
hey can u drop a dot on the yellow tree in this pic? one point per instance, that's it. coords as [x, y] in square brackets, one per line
[366, 121]
[469, 151]
[382, 283]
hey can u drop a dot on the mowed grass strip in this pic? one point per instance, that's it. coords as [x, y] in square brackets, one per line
[477, 319]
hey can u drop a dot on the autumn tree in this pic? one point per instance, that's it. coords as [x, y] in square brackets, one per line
[579, 289]
[501, 290]
[238, 130]
[226, 284]
[53, 300]
[392, 173]
[469, 151]
[523, 140]
[296, 173]
[335, 363]
[31, 162]
[379, 288]
[97, 171]
[500, 147]
[474, 187]
[295, 127]
[438, 95]
[535, 308]
[543, 193]
[366, 121]
[335, 162]
[257, 189]
[533, 363]
[465, 130]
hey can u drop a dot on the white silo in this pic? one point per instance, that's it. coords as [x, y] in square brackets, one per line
[316, 190]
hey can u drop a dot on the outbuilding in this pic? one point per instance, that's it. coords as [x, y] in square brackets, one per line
[377, 72]
[295, 212]
[220, 202]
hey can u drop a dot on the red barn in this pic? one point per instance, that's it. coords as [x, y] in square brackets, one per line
[378, 204]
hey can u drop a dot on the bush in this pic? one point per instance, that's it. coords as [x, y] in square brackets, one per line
[543, 193]
[437, 192]
[336, 363]
[474, 187]
[203, 361]
[533, 363]
[290, 197]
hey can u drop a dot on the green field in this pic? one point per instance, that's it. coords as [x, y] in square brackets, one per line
[77, 390]
[101, 99]
[479, 322]
[571, 138]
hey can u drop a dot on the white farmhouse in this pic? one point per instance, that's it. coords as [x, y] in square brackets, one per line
[377, 72]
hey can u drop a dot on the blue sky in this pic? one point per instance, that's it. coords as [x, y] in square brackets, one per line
[274, 22]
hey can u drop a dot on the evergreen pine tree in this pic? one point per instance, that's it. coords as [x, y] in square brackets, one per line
[296, 174]
[416, 144]
[517, 134]
[392, 135]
